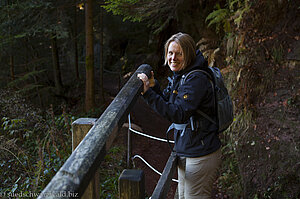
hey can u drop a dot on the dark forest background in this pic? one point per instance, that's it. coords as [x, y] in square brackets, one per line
[55, 57]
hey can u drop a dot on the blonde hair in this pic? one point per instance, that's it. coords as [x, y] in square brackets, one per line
[187, 44]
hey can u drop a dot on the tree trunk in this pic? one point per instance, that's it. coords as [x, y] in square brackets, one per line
[12, 66]
[90, 79]
[35, 56]
[37, 89]
[101, 57]
[56, 67]
[75, 44]
[11, 57]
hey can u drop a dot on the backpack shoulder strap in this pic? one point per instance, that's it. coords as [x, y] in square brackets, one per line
[184, 77]
[206, 116]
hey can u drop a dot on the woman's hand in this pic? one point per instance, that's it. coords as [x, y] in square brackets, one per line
[147, 82]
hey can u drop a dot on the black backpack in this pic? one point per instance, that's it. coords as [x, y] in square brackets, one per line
[223, 103]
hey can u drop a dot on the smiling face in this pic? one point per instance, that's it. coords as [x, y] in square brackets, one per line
[175, 57]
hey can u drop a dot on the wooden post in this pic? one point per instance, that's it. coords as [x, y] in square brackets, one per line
[80, 128]
[132, 184]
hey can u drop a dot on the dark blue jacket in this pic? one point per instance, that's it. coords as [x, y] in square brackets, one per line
[178, 102]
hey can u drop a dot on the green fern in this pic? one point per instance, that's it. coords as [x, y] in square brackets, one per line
[218, 17]
[231, 4]
[24, 78]
[222, 16]
[29, 88]
[124, 8]
[240, 12]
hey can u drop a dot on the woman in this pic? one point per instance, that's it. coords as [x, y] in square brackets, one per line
[196, 141]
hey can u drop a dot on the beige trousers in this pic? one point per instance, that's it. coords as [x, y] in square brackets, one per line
[197, 175]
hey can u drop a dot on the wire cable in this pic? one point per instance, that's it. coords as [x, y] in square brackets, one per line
[141, 158]
[146, 135]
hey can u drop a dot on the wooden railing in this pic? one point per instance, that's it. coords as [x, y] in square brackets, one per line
[78, 177]
[164, 183]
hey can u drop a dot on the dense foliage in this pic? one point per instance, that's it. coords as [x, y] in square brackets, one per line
[31, 34]
[157, 14]
[33, 145]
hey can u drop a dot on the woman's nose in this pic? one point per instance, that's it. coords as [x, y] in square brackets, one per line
[174, 56]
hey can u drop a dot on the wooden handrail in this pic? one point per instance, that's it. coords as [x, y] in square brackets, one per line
[163, 185]
[74, 176]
